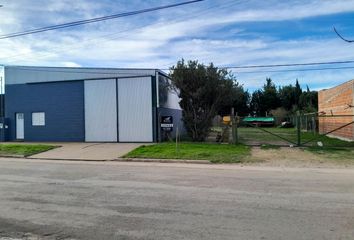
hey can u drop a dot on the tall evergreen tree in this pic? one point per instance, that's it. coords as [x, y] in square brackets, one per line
[287, 97]
[298, 92]
[266, 99]
[256, 105]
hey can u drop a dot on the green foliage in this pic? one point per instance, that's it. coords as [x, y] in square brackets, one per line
[239, 100]
[291, 98]
[308, 101]
[287, 97]
[217, 153]
[298, 92]
[266, 99]
[207, 90]
[203, 90]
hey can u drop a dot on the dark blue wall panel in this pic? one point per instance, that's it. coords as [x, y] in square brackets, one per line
[62, 102]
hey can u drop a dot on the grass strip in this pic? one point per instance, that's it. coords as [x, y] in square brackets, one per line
[23, 149]
[216, 153]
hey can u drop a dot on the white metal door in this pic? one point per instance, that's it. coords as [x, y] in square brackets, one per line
[101, 110]
[135, 109]
[20, 126]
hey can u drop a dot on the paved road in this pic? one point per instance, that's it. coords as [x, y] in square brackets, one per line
[62, 200]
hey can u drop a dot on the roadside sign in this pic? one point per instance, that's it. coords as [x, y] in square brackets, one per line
[167, 123]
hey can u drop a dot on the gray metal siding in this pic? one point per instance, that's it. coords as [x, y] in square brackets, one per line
[101, 111]
[177, 120]
[29, 74]
[135, 109]
[63, 104]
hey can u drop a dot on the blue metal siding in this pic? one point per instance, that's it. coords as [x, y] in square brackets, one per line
[63, 104]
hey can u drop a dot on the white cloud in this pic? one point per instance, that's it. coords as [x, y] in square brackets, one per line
[159, 39]
[70, 64]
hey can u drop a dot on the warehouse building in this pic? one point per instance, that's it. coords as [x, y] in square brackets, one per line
[88, 104]
[337, 106]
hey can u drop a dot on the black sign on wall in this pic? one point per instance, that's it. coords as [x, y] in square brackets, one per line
[167, 123]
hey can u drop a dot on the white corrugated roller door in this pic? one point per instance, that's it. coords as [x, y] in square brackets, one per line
[135, 109]
[101, 110]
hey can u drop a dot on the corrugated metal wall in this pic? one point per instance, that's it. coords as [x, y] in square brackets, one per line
[31, 74]
[104, 115]
[135, 109]
[63, 104]
[100, 111]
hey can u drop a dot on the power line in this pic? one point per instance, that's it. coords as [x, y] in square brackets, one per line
[284, 65]
[346, 40]
[95, 70]
[92, 20]
[297, 70]
[81, 45]
[292, 64]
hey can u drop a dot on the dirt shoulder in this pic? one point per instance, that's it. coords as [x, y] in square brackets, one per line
[297, 157]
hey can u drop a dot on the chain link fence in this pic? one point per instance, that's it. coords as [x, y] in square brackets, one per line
[294, 130]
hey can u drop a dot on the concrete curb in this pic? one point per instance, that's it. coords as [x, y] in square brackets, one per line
[72, 160]
[159, 160]
[13, 156]
[119, 160]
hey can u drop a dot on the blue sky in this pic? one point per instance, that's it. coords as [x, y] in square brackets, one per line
[225, 32]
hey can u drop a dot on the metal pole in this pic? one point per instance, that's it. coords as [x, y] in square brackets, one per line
[298, 128]
[177, 150]
[159, 132]
[236, 128]
[233, 140]
[313, 125]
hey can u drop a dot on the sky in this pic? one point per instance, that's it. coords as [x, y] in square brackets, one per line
[225, 32]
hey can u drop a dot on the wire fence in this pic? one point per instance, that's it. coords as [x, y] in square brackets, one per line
[295, 130]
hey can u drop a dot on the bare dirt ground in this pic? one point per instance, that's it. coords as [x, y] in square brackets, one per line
[296, 157]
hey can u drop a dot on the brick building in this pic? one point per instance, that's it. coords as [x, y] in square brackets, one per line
[337, 103]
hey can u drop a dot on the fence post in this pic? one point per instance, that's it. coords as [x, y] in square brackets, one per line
[177, 134]
[313, 125]
[236, 128]
[298, 128]
[232, 116]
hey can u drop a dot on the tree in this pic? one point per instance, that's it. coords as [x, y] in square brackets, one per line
[270, 98]
[287, 97]
[308, 101]
[203, 90]
[290, 98]
[256, 105]
[239, 100]
[298, 92]
[266, 99]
